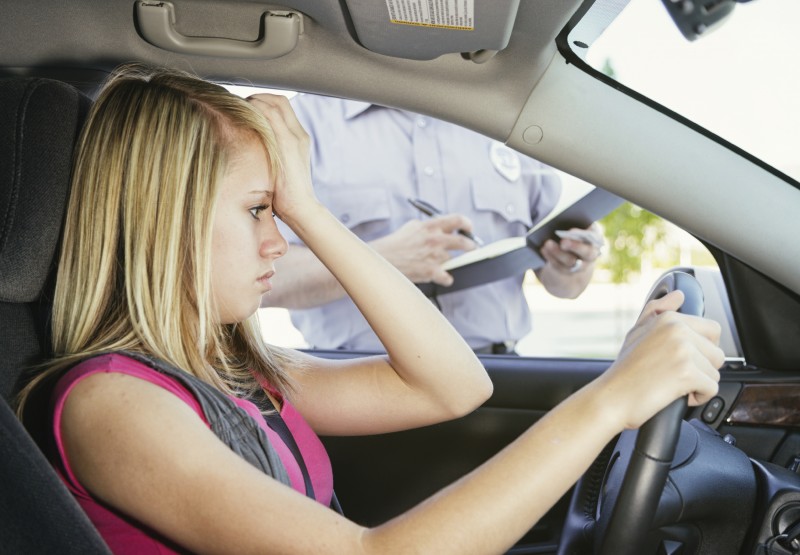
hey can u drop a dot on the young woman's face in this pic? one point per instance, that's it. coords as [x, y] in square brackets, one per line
[245, 240]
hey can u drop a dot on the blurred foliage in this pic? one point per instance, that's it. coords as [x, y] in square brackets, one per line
[630, 232]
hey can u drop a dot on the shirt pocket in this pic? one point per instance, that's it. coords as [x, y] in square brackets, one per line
[365, 211]
[503, 207]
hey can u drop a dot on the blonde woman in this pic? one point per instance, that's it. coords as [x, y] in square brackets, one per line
[169, 245]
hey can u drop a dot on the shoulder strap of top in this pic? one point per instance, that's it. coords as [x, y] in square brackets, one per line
[229, 422]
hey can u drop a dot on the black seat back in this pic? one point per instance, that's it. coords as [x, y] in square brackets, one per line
[39, 124]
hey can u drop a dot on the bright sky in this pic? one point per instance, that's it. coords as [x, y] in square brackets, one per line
[244, 91]
[742, 81]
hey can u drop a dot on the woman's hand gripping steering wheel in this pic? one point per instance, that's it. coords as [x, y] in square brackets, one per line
[617, 520]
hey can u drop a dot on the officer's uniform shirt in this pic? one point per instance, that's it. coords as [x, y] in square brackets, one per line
[368, 160]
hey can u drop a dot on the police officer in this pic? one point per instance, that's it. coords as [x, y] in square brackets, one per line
[367, 161]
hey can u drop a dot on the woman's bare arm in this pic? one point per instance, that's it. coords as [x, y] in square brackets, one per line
[182, 481]
[429, 374]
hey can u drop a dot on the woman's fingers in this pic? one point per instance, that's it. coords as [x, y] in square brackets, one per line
[671, 301]
[278, 110]
[293, 187]
[706, 383]
[665, 356]
[709, 358]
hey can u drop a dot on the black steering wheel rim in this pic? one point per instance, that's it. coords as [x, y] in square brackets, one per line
[623, 520]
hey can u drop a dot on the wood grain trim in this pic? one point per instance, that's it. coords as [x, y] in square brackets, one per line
[767, 405]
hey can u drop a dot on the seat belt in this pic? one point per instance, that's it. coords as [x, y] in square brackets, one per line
[277, 425]
[273, 419]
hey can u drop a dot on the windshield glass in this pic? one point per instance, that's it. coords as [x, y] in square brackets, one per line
[740, 80]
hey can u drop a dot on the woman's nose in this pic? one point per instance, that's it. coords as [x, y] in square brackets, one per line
[273, 245]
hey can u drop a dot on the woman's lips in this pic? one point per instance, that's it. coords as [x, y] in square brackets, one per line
[264, 280]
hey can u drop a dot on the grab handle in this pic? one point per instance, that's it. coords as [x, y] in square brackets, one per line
[279, 37]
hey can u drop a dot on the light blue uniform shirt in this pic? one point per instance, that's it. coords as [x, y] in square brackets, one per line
[368, 160]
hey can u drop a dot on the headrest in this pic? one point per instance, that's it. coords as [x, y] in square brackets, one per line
[39, 124]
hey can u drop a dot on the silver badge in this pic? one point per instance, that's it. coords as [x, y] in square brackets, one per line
[505, 161]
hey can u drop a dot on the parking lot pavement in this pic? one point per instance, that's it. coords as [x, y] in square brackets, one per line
[593, 325]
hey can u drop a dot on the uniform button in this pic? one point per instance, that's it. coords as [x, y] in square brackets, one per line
[344, 218]
[428, 171]
[422, 122]
[510, 208]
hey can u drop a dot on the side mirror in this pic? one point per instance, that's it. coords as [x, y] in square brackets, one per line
[695, 18]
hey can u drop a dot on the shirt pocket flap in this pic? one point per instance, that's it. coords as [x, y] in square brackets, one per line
[510, 201]
[358, 206]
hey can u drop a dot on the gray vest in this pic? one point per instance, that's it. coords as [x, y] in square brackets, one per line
[229, 422]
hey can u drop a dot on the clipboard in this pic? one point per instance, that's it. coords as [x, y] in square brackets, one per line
[515, 255]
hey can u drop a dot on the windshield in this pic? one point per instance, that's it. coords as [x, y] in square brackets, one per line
[740, 80]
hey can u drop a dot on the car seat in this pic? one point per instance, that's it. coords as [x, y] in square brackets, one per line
[39, 124]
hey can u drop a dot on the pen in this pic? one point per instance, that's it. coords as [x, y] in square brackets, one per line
[429, 210]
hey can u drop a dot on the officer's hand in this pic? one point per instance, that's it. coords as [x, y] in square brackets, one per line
[576, 251]
[419, 248]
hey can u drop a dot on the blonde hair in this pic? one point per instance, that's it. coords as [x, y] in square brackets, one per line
[135, 265]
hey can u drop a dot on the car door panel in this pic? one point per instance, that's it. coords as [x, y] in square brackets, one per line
[379, 477]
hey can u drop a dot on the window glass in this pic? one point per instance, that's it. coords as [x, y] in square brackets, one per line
[639, 248]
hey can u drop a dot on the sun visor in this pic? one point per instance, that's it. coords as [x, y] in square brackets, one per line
[426, 29]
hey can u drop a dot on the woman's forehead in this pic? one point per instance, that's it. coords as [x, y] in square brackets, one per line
[248, 168]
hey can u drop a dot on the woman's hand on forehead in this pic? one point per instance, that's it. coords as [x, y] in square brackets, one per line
[293, 189]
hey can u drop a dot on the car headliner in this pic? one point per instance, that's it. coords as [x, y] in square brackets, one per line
[535, 95]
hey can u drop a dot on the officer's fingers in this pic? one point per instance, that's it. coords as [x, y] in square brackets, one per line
[597, 230]
[440, 277]
[584, 251]
[554, 254]
[452, 222]
[446, 232]
[457, 242]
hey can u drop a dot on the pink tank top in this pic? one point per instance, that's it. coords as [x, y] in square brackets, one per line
[122, 534]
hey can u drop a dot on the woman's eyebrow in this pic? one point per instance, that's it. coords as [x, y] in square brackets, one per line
[263, 192]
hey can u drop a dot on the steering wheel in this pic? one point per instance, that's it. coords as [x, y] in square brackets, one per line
[614, 504]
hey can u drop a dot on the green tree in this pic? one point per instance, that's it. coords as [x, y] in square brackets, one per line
[630, 232]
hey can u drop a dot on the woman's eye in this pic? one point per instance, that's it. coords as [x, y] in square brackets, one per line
[256, 210]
